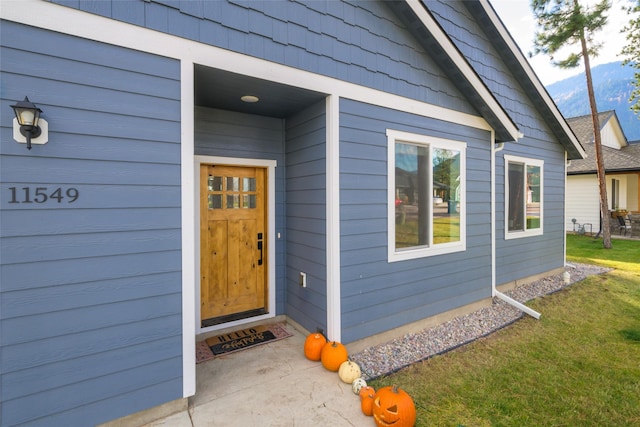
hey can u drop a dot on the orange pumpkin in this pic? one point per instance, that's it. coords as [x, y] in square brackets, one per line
[393, 407]
[366, 390]
[366, 404]
[333, 354]
[313, 346]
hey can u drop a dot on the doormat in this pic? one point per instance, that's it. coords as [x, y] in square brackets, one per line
[239, 340]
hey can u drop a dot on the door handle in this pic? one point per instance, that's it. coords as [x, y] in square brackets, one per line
[260, 248]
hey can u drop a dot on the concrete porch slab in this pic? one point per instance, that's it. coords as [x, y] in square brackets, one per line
[269, 385]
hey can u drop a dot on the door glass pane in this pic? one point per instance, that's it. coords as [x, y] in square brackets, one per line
[233, 201]
[533, 197]
[233, 184]
[446, 192]
[215, 183]
[248, 184]
[249, 201]
[215, 201]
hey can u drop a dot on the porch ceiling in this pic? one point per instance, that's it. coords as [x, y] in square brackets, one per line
[221, 89]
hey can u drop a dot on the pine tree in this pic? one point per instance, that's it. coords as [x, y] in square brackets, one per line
[632, 52]
[567, 24]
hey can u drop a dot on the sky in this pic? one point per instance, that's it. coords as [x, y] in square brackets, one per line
[519, 20]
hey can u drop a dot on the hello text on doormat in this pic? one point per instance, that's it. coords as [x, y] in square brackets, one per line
[240, 340]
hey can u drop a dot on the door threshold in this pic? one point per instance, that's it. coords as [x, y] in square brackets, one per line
[232, 317]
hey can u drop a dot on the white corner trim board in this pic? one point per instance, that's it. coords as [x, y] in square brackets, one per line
[334, 329]
[190, 226]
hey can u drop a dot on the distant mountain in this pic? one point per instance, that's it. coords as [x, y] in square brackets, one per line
[612, 84]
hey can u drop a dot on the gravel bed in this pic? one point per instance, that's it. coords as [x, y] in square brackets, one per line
[401, 352]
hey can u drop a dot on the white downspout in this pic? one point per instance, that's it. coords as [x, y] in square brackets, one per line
[494, 150]
[494, 291]
[518, 305]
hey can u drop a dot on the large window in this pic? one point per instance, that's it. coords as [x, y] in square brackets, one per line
[523, 191]
[426, 195]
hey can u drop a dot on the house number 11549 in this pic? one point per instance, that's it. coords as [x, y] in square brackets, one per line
[43, 195]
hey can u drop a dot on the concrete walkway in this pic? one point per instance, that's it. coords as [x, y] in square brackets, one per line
[269, 385]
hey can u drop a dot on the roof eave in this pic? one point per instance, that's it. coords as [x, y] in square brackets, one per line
[448, 57]
[608, 171]
[529, 80]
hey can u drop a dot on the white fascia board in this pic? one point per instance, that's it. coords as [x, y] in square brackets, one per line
[462, 64]
[526, 66]
[50, 16]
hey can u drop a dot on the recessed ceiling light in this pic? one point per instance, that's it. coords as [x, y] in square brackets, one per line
[250, 98]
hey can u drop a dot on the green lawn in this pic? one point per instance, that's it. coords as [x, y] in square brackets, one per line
[579, 365]
[445, 229]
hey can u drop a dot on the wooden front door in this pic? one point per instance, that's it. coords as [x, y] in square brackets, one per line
[233, 243]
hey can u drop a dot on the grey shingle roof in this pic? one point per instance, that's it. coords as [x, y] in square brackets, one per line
[625, 159]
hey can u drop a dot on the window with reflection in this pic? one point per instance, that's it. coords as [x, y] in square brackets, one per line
[523, 191]
[427, 205]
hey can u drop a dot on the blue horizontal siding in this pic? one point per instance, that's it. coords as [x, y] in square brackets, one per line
[48, 172]
[402, 298]
[132, 147]
[51, 248]
[401, 292]
[385, 317]
[112, 407]
[59, 45]
[306, 216]
[376, 275]
[229, 134]
[28, 302]
[77, 270]
[99, 196]
[86, 285]
[381, 279]
[146, 329]
[69, 221]
[528, 256]
[41, 378]
[60, 323]
[90, 74]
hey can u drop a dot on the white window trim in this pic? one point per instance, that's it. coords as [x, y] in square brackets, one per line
[527, 162]
[394, 136]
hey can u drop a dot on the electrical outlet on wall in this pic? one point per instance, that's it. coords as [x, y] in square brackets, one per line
[302, 280]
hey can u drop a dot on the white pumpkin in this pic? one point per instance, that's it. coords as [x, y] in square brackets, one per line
[357, 384]
[349, 371]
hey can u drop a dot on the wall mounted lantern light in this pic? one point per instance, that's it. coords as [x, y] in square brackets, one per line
[30, 125]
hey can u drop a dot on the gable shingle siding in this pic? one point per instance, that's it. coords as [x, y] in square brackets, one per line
[358, 42]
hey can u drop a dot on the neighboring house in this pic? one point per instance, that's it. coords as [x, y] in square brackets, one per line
[622, 171]
[402, 154]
